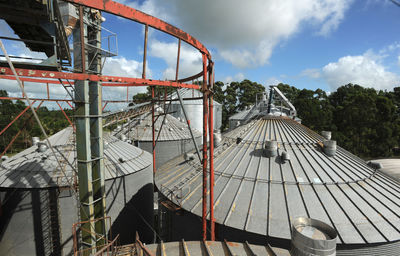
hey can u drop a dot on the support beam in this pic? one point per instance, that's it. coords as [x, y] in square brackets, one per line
[205, 120]
[211, 131]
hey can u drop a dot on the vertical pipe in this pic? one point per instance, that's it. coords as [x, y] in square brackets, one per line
[205, 120]
[48, 92]
[211, 131]
[145, 52]
[177, 60]
[82, 39]
[153, 130]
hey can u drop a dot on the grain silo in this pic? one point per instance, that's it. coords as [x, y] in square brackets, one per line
[173, 135]
[273, 170]
[194, 108]
[39, 208]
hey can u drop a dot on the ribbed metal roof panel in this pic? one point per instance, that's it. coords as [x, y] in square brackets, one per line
[140, 129]
[205, 248]
[33, 169]
[263, 195]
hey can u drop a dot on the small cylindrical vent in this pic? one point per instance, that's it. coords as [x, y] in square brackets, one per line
[188, 156]
[326, 134]
[375, 165]
[312, 237]
[4, 158]
[119, 127]
[271, 148]
[217, 139]
[35, 141]
[285, 156]
[42, 147]
[238, 140]
[330, 147]
[122, 137]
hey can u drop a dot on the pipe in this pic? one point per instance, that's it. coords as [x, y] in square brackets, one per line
[145, 51]
[211, 128]
[205, 120]
[153, 131]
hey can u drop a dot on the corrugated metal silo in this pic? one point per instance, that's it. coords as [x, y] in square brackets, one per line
[194, 108]
[273, 170]
[174, 139]
[39, 208]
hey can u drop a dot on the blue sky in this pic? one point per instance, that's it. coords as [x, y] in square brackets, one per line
[308, 44]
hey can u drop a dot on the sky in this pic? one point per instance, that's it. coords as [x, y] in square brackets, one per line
[304, 43]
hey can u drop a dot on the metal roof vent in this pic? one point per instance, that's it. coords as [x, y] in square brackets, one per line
[271, 148]
[312, 237]
[170, 129]
[4, 158]
[166, 121]
[217, 139]
[129, 141]
[285, 157]
[326, 134]
[182, 129]
[105, 145]
[375, 165]
[35, 141]
[238, 140]
[330, 147]
[188, 156]
[121, 160]
[42, 147]
[123, 137]
[119, 127]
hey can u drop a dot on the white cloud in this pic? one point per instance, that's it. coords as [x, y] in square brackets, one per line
[246, 32]
[272, 81]
[237, 78]
[120, 66]
[311, 72]
[190, 59]
[362, 70]
[366, 70]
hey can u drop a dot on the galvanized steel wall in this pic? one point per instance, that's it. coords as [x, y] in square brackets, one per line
[31, 224]
[167, 150]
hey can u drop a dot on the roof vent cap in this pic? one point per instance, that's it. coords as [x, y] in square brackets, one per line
[271, 148]
[217, 139]
[4, 158]
[285, 156]
[119, 127]
[170, 129]
[326, 134]
[330, 147]
[188, 156]
[375, 165]
[123, 137]
[238, 140]
[42, 147]
[35, 141]
[121, 160]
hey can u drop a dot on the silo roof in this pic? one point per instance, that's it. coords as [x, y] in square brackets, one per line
[33, 169]
[140, 129]
[263, 195]
[204, 248]
[190, 93]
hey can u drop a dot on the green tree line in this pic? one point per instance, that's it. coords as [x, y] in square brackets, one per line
[362, 120]
[52, 121]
